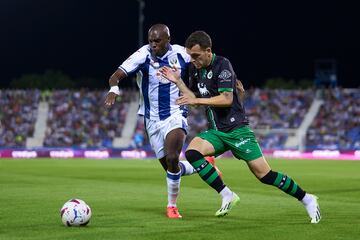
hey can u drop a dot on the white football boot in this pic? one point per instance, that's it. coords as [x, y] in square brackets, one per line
[312, 207]
[227, 205]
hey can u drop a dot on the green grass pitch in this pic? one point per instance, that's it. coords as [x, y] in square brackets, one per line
[128, 199]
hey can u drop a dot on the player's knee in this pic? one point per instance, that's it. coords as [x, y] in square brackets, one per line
[193, 155]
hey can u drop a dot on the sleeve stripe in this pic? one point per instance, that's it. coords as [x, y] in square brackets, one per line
[225, 89]
[123, 69]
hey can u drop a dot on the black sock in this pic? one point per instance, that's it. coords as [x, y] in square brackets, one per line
[205, 170]
[284, 183]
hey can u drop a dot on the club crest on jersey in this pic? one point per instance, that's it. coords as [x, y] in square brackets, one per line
[225, 74]
[173, 61]
[210, 75]
[202, 89]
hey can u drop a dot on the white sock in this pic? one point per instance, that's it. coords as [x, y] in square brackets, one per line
[226, 195]
[307, 199]
[186, 168]
[173, 184]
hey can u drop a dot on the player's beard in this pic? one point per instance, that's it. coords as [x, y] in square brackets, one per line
[197, 65]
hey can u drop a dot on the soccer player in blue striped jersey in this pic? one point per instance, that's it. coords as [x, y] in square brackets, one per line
[213, 80]
[165, 121]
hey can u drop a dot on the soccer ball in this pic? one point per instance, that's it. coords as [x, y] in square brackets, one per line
[75, 212]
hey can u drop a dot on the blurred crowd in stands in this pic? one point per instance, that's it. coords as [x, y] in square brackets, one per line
[337, 124]
[276, 109]
[78, 118]
[139, 139]
[18, 114]
[268, 109]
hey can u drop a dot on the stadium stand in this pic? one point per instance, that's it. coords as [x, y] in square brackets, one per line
[196, 121]
[17, 116]
[78, 118]
[277, 108]
[139, 139]
[272, 114]
[337, 124]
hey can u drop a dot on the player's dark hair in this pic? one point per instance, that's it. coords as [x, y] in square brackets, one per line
[198, 37]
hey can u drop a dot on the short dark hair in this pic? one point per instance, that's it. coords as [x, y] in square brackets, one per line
[199, 37]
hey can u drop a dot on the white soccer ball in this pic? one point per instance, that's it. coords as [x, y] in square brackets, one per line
[75, 212]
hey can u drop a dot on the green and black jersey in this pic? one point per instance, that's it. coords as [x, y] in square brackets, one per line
[208, 82]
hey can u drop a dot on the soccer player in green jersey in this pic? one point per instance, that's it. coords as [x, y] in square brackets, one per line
[213, 80]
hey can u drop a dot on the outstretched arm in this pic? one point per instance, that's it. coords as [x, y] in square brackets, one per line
[114, 89]
[225, 99]
[173, 75]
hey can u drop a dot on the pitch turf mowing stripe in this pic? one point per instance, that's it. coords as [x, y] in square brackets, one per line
[119, 212]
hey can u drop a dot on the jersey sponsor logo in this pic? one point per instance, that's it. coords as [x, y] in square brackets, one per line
[202, 89]
[242, 142]
[225, 74]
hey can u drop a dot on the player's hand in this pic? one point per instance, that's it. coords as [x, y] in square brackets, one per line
[172, 74]
[240, 89]
[110, 99]
[186, 99]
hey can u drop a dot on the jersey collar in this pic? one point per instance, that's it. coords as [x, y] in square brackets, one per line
[204, 71]
[212, 61]
[154, 58]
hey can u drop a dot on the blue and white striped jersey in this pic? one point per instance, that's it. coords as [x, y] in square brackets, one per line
[159, 95]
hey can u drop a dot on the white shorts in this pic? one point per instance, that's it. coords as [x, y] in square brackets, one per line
[157, 131]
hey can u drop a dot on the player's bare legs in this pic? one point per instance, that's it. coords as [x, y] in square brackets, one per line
[163, 163]
[263, 172]
[197, 149]
[187, 169]
[173, 146]
[259, 167]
